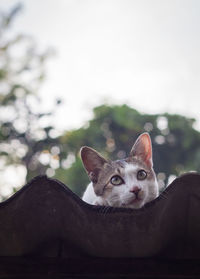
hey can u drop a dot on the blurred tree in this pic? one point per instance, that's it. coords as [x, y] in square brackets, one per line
[114, 129]
[26, 138]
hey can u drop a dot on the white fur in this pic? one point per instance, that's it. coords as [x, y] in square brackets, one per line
[120, 196]
[90, 197]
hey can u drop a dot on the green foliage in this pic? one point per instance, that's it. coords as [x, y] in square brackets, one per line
[114, 129]
[74, 177]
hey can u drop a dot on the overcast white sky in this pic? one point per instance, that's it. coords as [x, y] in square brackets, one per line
[145, 53]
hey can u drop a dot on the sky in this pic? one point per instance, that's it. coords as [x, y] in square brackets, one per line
[139, 52]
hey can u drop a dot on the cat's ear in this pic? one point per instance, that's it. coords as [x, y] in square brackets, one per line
[142, 149]
[92, 161]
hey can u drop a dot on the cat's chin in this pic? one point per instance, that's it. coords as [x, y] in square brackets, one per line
[136, 203]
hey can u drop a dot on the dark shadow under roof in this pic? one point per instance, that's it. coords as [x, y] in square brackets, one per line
[46, 219]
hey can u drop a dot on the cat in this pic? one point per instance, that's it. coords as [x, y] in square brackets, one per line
[129, 183]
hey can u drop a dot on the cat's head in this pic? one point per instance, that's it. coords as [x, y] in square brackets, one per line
[130, 182]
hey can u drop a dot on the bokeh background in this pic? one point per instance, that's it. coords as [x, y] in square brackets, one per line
[97, 73]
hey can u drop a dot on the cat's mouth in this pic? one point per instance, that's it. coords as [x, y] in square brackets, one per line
[134, 201]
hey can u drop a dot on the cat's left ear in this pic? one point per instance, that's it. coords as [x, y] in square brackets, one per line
[92, 161]
[142, 149]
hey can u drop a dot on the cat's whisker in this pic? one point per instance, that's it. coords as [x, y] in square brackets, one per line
[107, 209]
[104, 210]
[114, 199]
[163, 195]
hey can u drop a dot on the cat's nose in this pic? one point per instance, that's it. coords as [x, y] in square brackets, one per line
[135, 190]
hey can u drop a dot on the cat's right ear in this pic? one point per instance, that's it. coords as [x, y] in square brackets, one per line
[142, 149]
[92, 161]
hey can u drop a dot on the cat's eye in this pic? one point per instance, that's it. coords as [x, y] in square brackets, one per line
[141, 175]
[116, 180]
